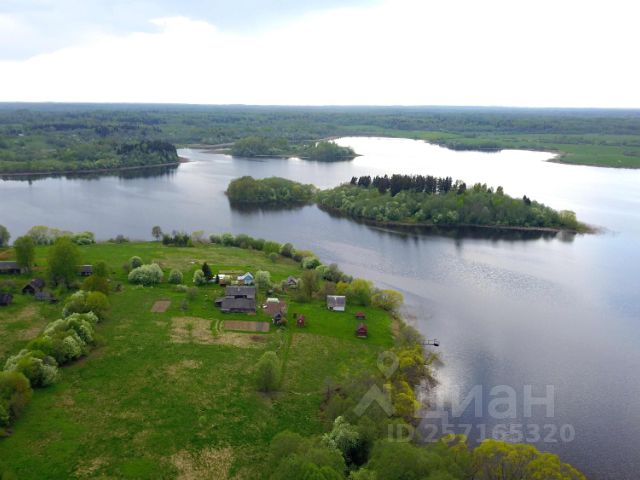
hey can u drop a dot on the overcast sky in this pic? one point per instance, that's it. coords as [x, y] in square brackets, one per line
[562, 53]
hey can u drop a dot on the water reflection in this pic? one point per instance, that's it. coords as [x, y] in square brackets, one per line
[125, 174]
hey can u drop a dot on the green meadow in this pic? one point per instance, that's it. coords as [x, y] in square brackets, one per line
[172, 394]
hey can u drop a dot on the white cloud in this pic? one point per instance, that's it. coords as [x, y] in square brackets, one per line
[464, 52]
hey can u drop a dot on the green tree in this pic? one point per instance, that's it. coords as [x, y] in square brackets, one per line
[5, 236]
[206, 269]
[25, 252]
[268, 372]
[63, 262]
[389, 300]
[263, 280]
[156, 232]
[495, 460]
[199, 278]
[360, 291]
[309, 284]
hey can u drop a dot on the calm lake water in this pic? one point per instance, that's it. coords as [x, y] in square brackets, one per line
[563, 312]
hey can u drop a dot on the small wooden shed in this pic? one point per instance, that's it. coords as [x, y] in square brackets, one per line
[362, 331]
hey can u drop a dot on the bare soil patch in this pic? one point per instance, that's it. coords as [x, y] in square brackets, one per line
[245, 326]
[180, 367]
[161, 306]
[191, 330]
[206, 463]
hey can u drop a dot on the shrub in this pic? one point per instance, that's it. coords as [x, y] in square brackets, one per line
[270, 246]
[298, 255]
[135, 262]
[227, 239]
[85, 302]
[40, 369]
[83, 238]
[175, 277]
[286, 250]
[96, 283]
[15, 394]
[310, 262]
[181, 288]
[257, 243]
[192, 293]
[268, 372]
[146, 274]
[243, 241]
[199, 278]
[359, 292]
[389, 300]
[66, 339]
[263, 280]
[273, 256]
[215, 238]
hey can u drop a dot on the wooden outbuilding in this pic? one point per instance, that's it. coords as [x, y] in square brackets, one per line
[362, 331]
[5, 299]
[301, 321]
[10, 268]
[360, 316]
[34, 286]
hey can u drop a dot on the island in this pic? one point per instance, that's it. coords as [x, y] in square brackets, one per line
[412, 200]
[320, 151]
[256, 358]
[272, 191]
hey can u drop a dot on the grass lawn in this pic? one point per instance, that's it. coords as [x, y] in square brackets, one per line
[148, 402]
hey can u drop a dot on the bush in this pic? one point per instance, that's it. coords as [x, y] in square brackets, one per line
[287, 250]
[15, 395]
[263, 280]
[175, 277]
[146, 274]
[181, 288]
[66, 339]
[227, 240]
[192, 293]
[95, 283]
[298, 255]
[85, 302]
[198, 278]
[273, 256]
[215, 238]
[40, 369]
[135, 262]
[270, 246]
[310, 262]
[83, 238]
[268, 372]
[360, 291]
[389, 300]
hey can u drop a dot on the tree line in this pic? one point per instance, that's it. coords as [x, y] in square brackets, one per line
[415, 183]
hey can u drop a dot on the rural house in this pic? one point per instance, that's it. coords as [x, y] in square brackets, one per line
[85, 270]
[34, 286]
[292, 282]
[238, 300]
[10, 267]
[246, 279]
[336, 303]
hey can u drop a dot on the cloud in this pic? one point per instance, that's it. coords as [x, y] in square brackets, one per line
[459, 52]
[31, 27]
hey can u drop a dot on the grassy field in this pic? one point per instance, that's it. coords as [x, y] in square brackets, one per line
[171, 395]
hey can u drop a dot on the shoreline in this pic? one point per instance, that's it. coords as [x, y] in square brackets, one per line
[180, 161]
[432, 226]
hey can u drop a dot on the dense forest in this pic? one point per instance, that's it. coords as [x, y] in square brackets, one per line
[269, 191]
[68, 137]
[427, 200]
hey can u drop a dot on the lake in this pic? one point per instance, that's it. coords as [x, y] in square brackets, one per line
[561, 312]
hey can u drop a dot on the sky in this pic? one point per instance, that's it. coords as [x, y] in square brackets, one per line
[542, 53]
